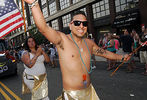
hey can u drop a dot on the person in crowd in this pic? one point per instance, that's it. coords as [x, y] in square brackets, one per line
[117, 44]
[111, 47]
[105, 40]
[127, 46]
[143, 49]
[74, 54]
[136, 41]
[100, 42]
[34, 75]
[20, 53]
[93, 56]
[52, 56]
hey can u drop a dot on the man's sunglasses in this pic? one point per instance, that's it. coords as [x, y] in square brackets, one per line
[78, 23]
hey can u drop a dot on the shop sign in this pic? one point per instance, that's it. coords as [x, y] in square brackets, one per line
[125, 19]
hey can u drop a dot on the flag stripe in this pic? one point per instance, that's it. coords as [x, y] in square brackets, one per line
[10, 17]
[10, 24]
[10, 21]
[10, 29]
[13, 26]
[9, 14]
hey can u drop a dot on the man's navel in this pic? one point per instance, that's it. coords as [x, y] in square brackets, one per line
[72, 56]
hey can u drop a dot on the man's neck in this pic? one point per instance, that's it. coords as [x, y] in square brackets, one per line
[78, 40]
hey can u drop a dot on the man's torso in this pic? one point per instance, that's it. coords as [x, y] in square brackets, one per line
[71, 65]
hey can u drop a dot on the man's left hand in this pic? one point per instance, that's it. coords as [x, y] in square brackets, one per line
[127, 57]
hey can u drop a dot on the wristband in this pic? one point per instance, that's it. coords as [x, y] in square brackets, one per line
[33, 4]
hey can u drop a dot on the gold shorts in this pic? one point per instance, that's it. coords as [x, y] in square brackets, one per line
[84, 94]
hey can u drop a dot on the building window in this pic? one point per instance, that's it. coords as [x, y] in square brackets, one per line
[83, 9]
[64, 4]
[101, 9]
[66, 20]
[43, 2]
[122, 5]
[45, 12]
[75, 1]
[32, 20]
[20, 6]
[55, 24]
[52, 8]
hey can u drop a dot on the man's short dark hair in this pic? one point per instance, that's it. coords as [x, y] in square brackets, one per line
[78, 13]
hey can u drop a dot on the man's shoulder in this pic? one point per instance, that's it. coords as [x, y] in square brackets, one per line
[63, 35]
[88, 40]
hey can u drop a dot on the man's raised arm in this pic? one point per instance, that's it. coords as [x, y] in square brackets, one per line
[52, 35]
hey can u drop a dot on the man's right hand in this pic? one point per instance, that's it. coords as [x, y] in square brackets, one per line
[51, 34]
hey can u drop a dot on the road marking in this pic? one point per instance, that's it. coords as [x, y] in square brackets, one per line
[5, 95]
[12, 93]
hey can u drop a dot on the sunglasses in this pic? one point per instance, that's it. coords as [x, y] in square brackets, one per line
[78, 23]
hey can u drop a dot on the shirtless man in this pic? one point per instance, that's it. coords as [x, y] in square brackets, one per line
[75, 68]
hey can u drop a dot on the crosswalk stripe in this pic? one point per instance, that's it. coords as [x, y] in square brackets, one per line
[5, 95]
[12, 93]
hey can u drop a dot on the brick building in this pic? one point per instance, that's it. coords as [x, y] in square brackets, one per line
[103, 16]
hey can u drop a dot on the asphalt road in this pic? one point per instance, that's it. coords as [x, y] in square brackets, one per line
[121, 86]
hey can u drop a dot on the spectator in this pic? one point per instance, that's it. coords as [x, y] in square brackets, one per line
[111, 47]
[52, 56]
[143, 50]
[127, 45]
[136, 41]
[105, 40]
[34, 75]
[117, 44]
[100, 42]
[93, 56]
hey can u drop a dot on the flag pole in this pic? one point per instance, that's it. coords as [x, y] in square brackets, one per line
[22, 4]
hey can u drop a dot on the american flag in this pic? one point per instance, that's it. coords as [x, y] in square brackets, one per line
[10, 17]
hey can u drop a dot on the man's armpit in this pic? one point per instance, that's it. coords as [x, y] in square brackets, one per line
[99, 51]
[60, 44]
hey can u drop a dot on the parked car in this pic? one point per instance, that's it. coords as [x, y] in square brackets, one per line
[8, 65]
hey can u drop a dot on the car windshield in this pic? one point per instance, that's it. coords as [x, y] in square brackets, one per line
[2, 46]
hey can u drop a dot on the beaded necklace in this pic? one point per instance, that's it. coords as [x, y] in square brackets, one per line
[84, 75]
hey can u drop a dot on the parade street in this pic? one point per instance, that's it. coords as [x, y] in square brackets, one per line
[35, 35]
[121, 86]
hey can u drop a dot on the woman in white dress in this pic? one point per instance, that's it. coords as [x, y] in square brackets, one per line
[34, 75]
